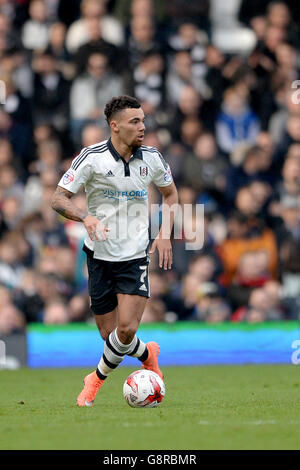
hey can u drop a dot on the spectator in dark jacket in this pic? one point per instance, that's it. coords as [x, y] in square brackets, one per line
[51, 93]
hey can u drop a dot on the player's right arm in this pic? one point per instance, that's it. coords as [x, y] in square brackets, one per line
[62, 203]
[77, 175]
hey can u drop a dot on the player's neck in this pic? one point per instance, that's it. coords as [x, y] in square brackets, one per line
[123, 149]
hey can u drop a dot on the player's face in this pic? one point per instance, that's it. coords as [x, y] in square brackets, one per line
[130, 126]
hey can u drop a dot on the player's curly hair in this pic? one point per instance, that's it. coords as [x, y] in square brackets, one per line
[118, 103]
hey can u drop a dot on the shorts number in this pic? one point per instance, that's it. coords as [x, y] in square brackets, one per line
[142, 279]
[143, 275]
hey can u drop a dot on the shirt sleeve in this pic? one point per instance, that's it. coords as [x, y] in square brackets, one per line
[78, 173]
[162, 173]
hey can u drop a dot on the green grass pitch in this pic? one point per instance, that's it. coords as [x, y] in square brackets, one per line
[211, 407]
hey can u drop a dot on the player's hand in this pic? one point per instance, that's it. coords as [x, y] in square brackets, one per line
[95, 228]
[164, 252]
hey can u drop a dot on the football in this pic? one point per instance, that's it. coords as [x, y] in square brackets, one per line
[144, 389]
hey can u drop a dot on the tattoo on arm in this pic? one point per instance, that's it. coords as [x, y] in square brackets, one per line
[61, 203]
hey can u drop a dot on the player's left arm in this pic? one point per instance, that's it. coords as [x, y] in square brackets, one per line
[162, 241]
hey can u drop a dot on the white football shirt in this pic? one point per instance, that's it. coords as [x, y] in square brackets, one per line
[117, 194]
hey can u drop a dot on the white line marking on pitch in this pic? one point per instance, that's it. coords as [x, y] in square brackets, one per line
[248, 423]
[129, 425]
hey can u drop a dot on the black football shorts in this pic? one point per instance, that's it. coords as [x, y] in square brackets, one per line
[109, 278]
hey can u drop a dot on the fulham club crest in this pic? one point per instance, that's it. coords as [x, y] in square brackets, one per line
[143, 171]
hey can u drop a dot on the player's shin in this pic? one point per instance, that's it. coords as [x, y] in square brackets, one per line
[114, 352]
[138, 349]
[147, 354]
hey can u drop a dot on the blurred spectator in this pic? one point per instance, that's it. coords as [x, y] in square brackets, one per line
[78, 32]
[287, 191]
[264, 304]
[210, 306]
[188, 110]
[126, 9]
[57, 46]
[183, 298]
[148, 83]
[51, 93]
[182, 74]
[248, 171]
[279, 14]
[79, 308]
[252, 272]
[96, 44]
[10, 185]
[26, 296]
[278, 121]
[15, 119]
[55, 313]
[11, 320]
[14, 255]
[190, 38]
[35, 32]
[190, 129]
[98, 84]
[290, 215]
[12, 211]
[205, 169]
[215, 77]
[236, 122]
[250, 201]
[15, 62]
[246, 234]
[142, 39]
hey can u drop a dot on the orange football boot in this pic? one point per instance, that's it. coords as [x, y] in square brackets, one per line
[152, 362]
[92, 383]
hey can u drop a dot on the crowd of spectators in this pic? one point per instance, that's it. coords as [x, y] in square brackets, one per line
[219, 89]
